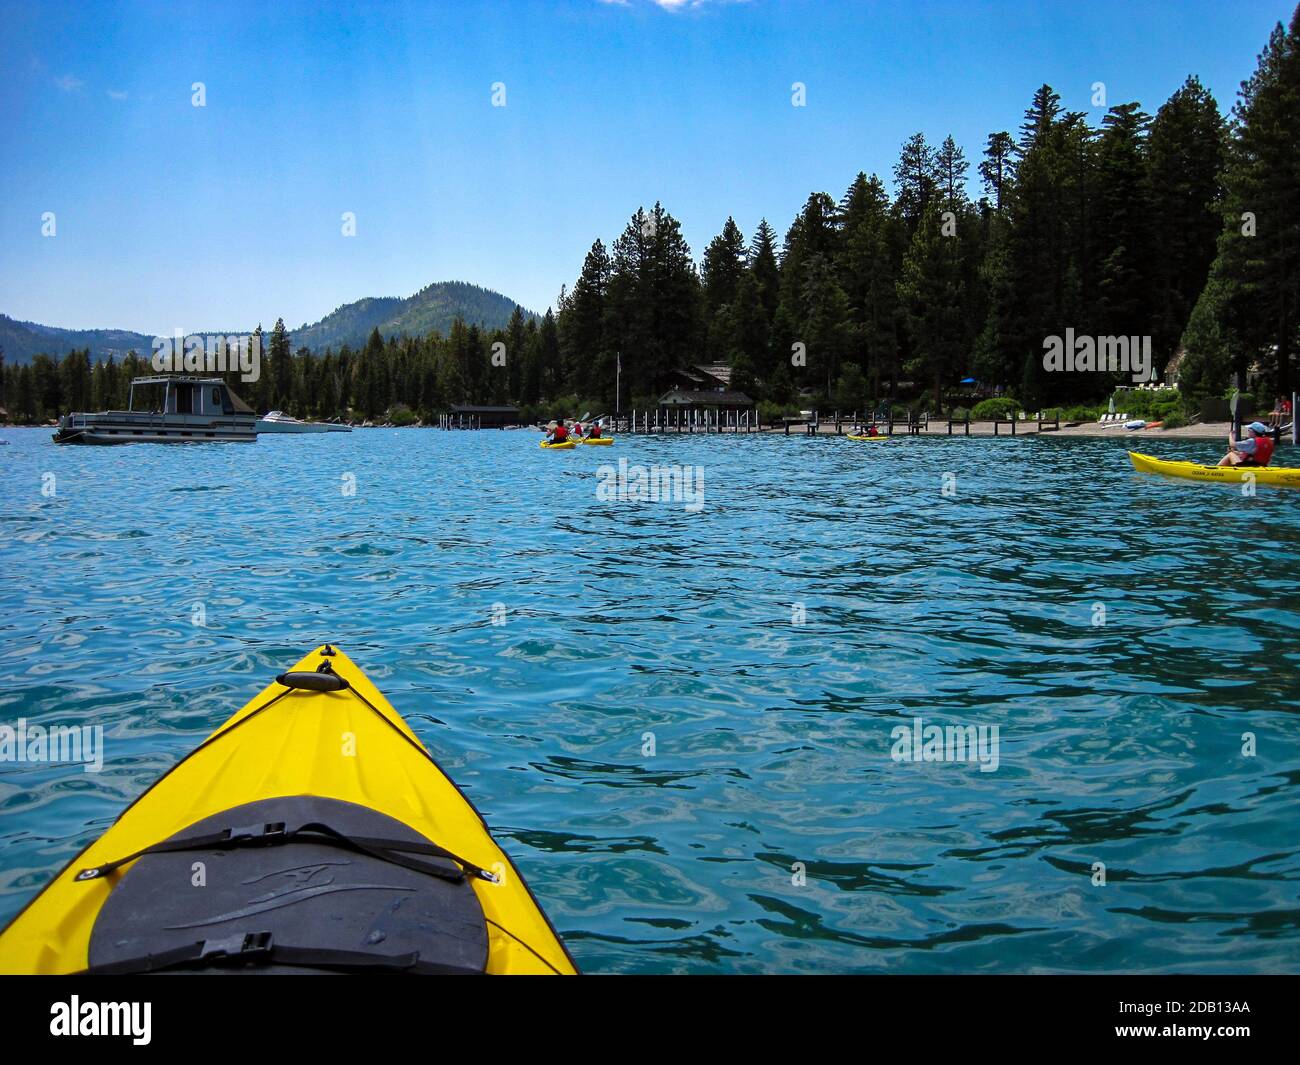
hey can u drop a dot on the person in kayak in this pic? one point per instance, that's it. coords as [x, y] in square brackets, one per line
[1255, 450]
[559, 434]
[594, 434]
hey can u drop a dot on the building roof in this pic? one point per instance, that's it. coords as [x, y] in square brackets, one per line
[468, 408]
[678, 397]
[718, 370]
[700, 376]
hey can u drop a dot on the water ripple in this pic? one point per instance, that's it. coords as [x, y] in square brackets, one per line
[680, 723]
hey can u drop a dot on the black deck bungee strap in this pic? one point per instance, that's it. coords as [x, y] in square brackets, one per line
[392, 851]
[323, 679]
[327, 667]
[259, 949]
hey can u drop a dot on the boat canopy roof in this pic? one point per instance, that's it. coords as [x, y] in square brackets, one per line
[190, 379]
[167, 378]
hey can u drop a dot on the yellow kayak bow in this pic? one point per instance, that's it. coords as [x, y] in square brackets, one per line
[312, 831]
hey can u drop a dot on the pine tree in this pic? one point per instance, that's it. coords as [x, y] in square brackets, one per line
[654, 316]
[515, 353]
[763, 265]
[748, 331]
[548, 355]
[1186, 152]
[950, 168]
[868, 275]
[724, 264]
[1123, 223]
[914, 180]
[998, 168]
[586, 357]
[933, 289]
[814, 234]
[280, 369]
[1254, 293]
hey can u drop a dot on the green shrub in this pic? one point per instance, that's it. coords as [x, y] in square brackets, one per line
[1048, 413]
[401, 416]
[1146, 403]
[1175, 420]
[1080, 413]
[959, 414]
[998, 407]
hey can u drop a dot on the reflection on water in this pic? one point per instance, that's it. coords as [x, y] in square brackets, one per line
[769, 829]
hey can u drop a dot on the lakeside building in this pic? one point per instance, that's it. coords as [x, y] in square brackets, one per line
[702, 388]
[471, 416]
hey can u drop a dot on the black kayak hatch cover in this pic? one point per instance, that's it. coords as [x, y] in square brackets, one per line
[309, 895]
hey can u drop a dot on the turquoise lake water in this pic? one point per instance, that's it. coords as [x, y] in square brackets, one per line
[770, 640]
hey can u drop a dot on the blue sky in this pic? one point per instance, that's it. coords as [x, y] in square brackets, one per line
[220, 217]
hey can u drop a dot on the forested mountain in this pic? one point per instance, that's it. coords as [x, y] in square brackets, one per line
[1181, 226]
[434, 307]
[21, 340]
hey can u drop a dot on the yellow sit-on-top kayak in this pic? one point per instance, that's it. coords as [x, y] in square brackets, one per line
[871, 438]
[312, 832]
[568, 445]
[599, 441]
[1275, 475]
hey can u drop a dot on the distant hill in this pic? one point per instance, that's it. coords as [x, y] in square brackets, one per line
[434, 307]
[22, 340]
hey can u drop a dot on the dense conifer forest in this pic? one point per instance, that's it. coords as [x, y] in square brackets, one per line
[1182, 225]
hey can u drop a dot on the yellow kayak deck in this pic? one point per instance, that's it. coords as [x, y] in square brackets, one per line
[1274, 475]
[295, 742]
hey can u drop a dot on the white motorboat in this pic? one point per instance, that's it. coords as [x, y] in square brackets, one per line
[277, 421]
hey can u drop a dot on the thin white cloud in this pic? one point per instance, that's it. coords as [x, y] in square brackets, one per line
[117, 94]
[674, 5]
[69, 83]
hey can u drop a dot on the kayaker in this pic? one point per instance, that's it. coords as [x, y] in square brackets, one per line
[595, 431]
[1255, 450]
[1281, 414]
[559, 434]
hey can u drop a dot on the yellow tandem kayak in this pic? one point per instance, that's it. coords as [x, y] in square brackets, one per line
[873, 439]
[568, 445]
[311, 832]
[600, 441]
[1192, 471]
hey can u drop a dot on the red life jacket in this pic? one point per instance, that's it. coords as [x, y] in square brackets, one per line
[560, 435]
[1263, 450]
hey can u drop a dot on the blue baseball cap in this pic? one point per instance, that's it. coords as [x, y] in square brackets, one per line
[1258, 428]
